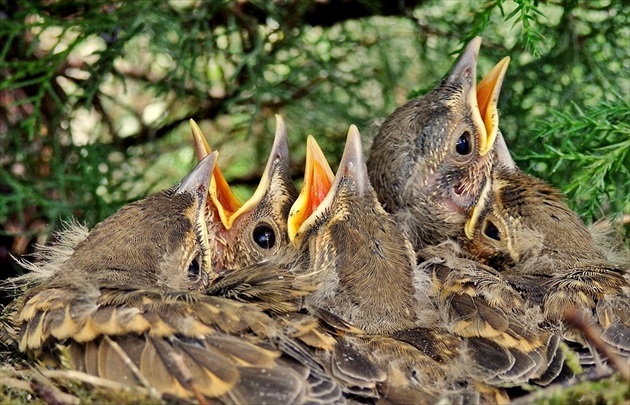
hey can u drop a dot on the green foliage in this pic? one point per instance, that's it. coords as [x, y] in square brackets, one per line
[96, 95]
[598, 141]
[609, 391]
[527, 14]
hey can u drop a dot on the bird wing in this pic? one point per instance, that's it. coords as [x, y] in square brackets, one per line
[603, 292]
[503, 341]
[184, 343]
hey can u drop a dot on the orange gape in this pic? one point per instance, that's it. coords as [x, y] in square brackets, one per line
[319, 187]
[318, 178]
[224, 202]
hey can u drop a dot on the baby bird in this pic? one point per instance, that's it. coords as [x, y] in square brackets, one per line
[430, 158]
[339, 224]
[136, 303]
[523, 227]
[247, 233]
[142, 242]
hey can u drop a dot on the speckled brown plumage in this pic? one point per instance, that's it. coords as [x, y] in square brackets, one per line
[135, 303]
[430, 317]
[524, 228]
[430, 157]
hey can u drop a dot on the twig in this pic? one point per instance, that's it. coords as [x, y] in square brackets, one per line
[52, 395]
[136, 372]
[178, 361]
[16, 384]
[96, 381]
[578, 321]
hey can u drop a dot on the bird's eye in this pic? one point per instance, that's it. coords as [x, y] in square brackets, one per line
[194, 269]
[264, 236]
[463, 145]
[491, 231]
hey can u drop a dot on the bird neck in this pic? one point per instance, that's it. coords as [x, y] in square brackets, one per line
[372, 285]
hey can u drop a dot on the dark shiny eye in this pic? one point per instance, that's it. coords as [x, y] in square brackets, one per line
[194, 269]
[491, 231]
[463, 145]
[264, 236]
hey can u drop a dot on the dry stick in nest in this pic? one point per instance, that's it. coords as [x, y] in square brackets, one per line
[38, 385]
[17, 384]
[145, 383]
[96, 381]
[191, 384]
[578, 320]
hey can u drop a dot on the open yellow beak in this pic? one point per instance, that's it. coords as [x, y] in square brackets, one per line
[228, 207]
[318, 178]
[487, 99]
[221, 195]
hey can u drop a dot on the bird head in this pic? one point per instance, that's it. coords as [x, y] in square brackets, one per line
[520, 218]
[488, 230]
[338, 223]
[247, 233]
[431, 157]
[158, 242]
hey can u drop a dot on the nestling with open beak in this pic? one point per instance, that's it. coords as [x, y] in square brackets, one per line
[523, 227]
[430, 158]
[341, 226]
[247, 233]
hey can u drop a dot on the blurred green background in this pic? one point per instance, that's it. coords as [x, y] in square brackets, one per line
[95, 96]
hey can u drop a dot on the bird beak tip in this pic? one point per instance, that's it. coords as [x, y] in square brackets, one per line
[353, 161]
[466, 66]
[199, 177]
[277, 163]
[202, 148]
[280, 148]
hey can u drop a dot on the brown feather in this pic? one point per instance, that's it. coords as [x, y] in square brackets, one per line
[543, 249]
